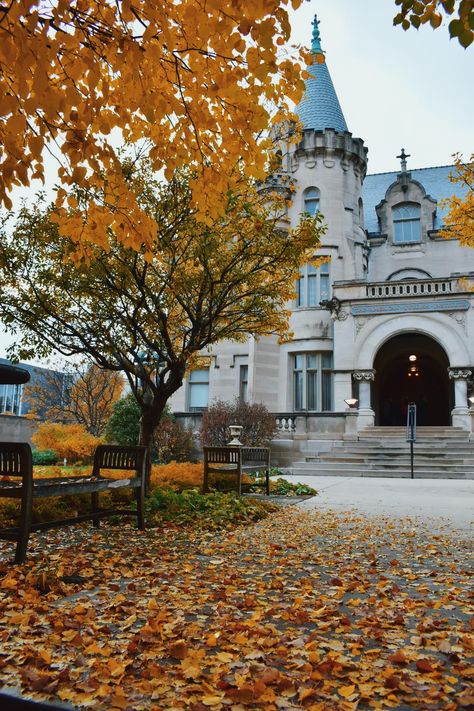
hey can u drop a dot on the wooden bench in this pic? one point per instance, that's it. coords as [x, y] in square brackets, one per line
[16, 482]
[233, 462]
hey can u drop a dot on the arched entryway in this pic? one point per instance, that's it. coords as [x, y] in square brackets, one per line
[412, 367]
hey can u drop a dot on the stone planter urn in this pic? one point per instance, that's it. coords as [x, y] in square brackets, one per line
[235, 431]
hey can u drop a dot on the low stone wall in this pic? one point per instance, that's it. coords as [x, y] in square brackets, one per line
[16, 429]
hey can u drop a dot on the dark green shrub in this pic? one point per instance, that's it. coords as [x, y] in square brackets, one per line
[44, 457]
[123, 426]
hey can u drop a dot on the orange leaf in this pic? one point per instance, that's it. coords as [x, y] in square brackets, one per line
[398, 658]
[424, 665]
[346, 691]
[179, 650]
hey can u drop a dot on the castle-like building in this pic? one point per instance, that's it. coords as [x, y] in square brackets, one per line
[387, 321]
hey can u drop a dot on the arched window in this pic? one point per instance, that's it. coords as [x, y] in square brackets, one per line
[311, 201]
[406, 223]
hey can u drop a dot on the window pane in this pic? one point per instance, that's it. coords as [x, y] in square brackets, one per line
[299, 361]
[324, 290]
[198, 395]
[244, 370]
[300, 292]
[326, 360]
[415, 230]
[326, 385]
[311, 389]
[311, 206]
[311, 361]
[199, 376]
[398, 231]
[324, 268]
[312, 269]
[312, 290]
[298, 383]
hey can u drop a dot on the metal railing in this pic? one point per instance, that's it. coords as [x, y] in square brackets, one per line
[411, 434]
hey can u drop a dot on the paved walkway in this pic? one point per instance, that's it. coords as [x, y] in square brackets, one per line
[446, 502]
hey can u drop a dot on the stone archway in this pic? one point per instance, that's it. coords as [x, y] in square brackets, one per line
[423, 379]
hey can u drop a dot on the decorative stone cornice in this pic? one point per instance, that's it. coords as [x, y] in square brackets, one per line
[459, 373]
[363, 375]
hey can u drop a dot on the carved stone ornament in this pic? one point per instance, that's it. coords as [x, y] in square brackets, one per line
[459, 373]
[334, 305]
[363, 375]
[360, 322]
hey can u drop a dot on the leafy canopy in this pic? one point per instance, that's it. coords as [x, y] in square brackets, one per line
[414, 13]
[188, 83]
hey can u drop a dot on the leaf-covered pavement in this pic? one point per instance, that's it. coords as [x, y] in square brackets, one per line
[302, 610]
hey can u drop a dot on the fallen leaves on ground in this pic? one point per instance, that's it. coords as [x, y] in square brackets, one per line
[305, 610]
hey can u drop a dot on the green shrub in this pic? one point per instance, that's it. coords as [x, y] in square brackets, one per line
[44, 457]
[209, 511]
[282, 487]
[123, 426]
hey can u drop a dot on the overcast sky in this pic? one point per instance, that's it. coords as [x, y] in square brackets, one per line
[396, 89]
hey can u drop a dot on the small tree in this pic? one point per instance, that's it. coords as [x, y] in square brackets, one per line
[71, 442]
[259, 425]
[172, 441]
[78, 393]
[123, 426]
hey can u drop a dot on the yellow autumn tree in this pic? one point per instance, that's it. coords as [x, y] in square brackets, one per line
[79, 393]
[151, 314]
[459, 221]
[187, 83]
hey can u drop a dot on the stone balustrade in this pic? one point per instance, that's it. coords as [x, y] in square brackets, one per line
[286, 422]
[415, 287]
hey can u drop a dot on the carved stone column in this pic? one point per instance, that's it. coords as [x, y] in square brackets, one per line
[460, 414]
[366, 416]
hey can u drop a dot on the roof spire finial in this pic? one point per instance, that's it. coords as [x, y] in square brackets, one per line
[403, 160]
[316, 42]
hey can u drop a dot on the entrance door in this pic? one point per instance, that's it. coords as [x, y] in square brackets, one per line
[412, 368]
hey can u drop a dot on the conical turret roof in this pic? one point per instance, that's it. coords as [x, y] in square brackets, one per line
[320, 108]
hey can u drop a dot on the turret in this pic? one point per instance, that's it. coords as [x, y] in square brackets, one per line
[329, 167]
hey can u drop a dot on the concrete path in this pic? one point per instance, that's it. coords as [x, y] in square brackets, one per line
[447, 502]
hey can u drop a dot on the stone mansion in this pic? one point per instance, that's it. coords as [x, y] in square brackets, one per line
[387, 321]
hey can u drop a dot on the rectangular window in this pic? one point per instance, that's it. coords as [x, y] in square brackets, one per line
[313, 285]
[10, 399]
[406, 223]
[243, 383]
[199, 389]
[312, 381]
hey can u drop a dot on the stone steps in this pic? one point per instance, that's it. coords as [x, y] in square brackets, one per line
[439, 453]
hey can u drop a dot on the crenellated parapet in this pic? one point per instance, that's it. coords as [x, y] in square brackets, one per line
[328, 147]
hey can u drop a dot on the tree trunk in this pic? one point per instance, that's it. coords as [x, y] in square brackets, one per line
[149, 420]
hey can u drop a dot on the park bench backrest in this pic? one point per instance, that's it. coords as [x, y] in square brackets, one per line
[221, 455]
[15, 459]
[115, 456]
[255, 455]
